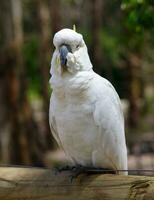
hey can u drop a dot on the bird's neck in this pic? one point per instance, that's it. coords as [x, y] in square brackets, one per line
[71, 84]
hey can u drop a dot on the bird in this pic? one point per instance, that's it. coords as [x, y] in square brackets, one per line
[85, 114]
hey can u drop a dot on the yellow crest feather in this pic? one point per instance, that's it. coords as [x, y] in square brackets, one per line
[74, 27]
[58, 61]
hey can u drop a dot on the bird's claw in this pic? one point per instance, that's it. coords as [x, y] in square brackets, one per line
[63, 168]
[77, 170]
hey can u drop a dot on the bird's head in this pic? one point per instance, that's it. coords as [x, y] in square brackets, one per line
[70, 55]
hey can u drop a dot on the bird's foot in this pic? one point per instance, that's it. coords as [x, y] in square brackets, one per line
[77, 170]
[63, 168]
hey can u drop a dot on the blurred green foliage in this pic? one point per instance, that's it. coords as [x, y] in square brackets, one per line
[30, 52]
[149, 101]
[139, 14]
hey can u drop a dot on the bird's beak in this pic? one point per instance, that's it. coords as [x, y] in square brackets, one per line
[64, 50]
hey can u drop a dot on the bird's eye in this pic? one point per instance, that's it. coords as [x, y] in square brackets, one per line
[77, 46]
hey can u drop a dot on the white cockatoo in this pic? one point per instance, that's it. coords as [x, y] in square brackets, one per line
[85, 112]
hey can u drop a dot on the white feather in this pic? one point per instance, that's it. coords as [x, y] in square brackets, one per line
[85, 112]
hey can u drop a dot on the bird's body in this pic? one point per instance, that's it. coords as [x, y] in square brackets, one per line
[85, 113]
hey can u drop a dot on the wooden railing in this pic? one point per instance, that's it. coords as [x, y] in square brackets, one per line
[45, 184]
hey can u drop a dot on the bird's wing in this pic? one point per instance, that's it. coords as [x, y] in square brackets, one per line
[52, 123]
[108, 116]
[108, 102]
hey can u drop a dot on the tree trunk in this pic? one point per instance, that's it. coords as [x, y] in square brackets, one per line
[44, 61]
[96, 27]
[20, 129]
[55, 15]
[134, 88]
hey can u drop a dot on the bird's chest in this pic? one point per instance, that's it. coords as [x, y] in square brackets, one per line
[76, 127]
[73, 115]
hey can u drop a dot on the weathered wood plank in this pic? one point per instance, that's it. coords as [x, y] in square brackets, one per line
[42, 184]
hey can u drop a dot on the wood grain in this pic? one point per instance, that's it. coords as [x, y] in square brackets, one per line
[44, 184]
